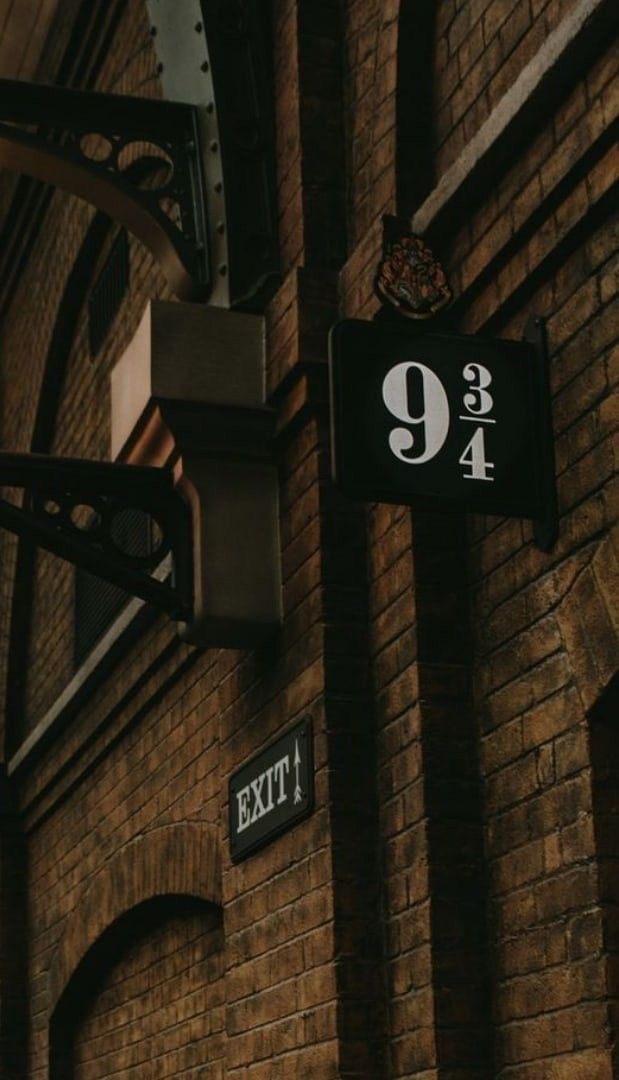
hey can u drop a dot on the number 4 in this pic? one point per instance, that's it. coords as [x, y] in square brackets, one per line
[474, 456]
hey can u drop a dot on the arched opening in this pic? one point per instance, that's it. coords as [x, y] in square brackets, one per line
[147, 998]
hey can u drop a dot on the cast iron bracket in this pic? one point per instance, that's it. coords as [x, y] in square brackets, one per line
[71, 506]
[82, 142]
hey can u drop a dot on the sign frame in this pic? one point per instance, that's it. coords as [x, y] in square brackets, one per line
[264, 765]
[364, 358]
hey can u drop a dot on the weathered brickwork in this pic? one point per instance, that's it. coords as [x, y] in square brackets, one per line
[482, 46]
[540, 671]
[177, 956]
[449, 910]
[371, 41]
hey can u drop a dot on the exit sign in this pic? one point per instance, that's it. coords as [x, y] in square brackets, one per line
[441, 421]
[272, 791]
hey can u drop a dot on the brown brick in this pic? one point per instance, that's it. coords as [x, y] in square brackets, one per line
[155, 745]
[551, 718]
[514, 28]
[494, 17]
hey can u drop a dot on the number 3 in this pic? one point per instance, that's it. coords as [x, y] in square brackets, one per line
[480, 401]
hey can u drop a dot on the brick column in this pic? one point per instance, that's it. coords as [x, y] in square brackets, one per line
[453, 803]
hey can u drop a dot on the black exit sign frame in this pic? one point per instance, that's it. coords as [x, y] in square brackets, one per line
[272, 791]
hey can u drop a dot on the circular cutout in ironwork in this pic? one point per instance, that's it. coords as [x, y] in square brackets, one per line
[136, 536]
[51, 507]
[95, 147]
[159, 178]
[85, 518]
[157, 538]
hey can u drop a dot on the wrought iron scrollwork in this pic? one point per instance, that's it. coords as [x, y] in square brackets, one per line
[72, 508]
[83, 143]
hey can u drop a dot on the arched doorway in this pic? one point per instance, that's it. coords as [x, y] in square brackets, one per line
[147, 999]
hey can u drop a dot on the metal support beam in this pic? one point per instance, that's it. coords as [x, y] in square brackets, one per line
[71, 508]
[219, 56]
[83, 142]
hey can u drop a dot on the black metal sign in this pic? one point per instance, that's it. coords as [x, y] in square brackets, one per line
[441, 421]
[272, 791]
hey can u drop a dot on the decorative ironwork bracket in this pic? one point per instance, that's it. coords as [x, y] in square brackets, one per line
[71, 507]
[82, 141]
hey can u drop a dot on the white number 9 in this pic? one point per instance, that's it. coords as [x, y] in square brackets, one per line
[433, 413]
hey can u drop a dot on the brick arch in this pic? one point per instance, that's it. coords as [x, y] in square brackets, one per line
[179, 859]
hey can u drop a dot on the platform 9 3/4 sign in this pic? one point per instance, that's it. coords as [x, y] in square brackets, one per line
[438, 421]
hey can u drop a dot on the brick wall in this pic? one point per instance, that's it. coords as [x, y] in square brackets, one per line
[81, 427]
[370, 32]
[482, 47]
[142, 1013]
[176, 721]
[449, 908]
[548, 983]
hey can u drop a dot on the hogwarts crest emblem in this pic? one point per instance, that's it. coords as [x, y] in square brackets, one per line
[409, 277]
